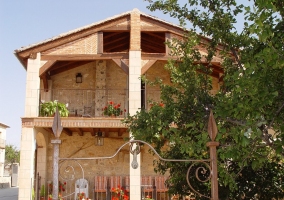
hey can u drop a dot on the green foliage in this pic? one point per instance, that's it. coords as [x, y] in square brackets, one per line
[47, 109]
[249, 108]
[33, 193]
[12, 155]
[42, 191]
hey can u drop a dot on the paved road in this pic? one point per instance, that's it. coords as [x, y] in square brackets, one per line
[9, 193]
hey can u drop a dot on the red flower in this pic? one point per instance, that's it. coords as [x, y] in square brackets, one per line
[111, 102]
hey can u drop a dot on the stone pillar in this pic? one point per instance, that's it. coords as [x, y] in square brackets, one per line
[100, 97]
[32, 87]
[26, 175]
[135, 94]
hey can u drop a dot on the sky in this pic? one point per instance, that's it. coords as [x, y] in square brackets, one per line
[25, 22]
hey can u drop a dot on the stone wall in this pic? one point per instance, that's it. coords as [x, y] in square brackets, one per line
[77, 146]
[156, 71]
[91, 92]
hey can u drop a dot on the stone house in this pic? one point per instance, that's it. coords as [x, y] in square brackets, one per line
[88, 68]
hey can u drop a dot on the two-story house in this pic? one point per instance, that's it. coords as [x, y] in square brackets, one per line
[89, 68]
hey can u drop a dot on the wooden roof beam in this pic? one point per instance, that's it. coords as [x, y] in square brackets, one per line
[147, 66]
[46, 67]
[67, 131]
[122, 65]
[45, 82]
[79, 131]
[86, 57]
[120, 132]
[93, 132]
[67, 67]
[106, 132]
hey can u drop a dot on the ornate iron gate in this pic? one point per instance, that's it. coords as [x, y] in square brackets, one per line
[208, 164]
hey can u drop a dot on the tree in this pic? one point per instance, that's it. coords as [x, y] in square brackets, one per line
[12, 155]
[249, 108]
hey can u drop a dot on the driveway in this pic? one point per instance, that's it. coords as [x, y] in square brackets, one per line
[9, 193]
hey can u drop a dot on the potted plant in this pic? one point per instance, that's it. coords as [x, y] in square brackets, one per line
[112, 109]
[42, 192]
[48, 109]
[119, 193]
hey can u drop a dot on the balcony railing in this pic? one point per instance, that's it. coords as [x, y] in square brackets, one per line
[84, 102]
[2, 144]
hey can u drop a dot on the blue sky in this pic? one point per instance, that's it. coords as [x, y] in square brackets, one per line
[27, 22]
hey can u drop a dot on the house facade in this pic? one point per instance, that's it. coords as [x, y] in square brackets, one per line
[88, 69]
[3, 128]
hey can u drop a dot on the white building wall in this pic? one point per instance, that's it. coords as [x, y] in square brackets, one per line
[2, 147]
[134, 105]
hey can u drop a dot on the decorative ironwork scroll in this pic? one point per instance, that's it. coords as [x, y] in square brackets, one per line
[208, 170]
[136, 151]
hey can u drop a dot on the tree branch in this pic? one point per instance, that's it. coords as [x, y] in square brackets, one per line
[276, 114]
[237, 57]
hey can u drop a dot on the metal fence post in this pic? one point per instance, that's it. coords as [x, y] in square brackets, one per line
[212, 131]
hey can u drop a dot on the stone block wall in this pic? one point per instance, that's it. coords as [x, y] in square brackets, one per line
[156, 71]
[77, 146]
[103, 81]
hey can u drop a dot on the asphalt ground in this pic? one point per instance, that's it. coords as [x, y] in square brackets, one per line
[9, 193]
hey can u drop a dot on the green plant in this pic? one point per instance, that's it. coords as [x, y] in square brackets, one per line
[42, 191]
[112, 109]
[47, 109]
[148, 197]
[33, 193]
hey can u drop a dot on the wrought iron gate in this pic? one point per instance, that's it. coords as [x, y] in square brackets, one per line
[68, 171]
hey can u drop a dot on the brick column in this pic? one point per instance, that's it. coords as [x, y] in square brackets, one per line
[135, 94]
[100, 97]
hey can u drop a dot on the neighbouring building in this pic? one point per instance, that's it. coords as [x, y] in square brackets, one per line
[89, 68]
[3, 128]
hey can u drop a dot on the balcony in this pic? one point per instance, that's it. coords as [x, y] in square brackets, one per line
[2, 144]
[85, 102]
[86, 109]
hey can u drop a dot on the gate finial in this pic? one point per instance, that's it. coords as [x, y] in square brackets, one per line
[212, 127]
